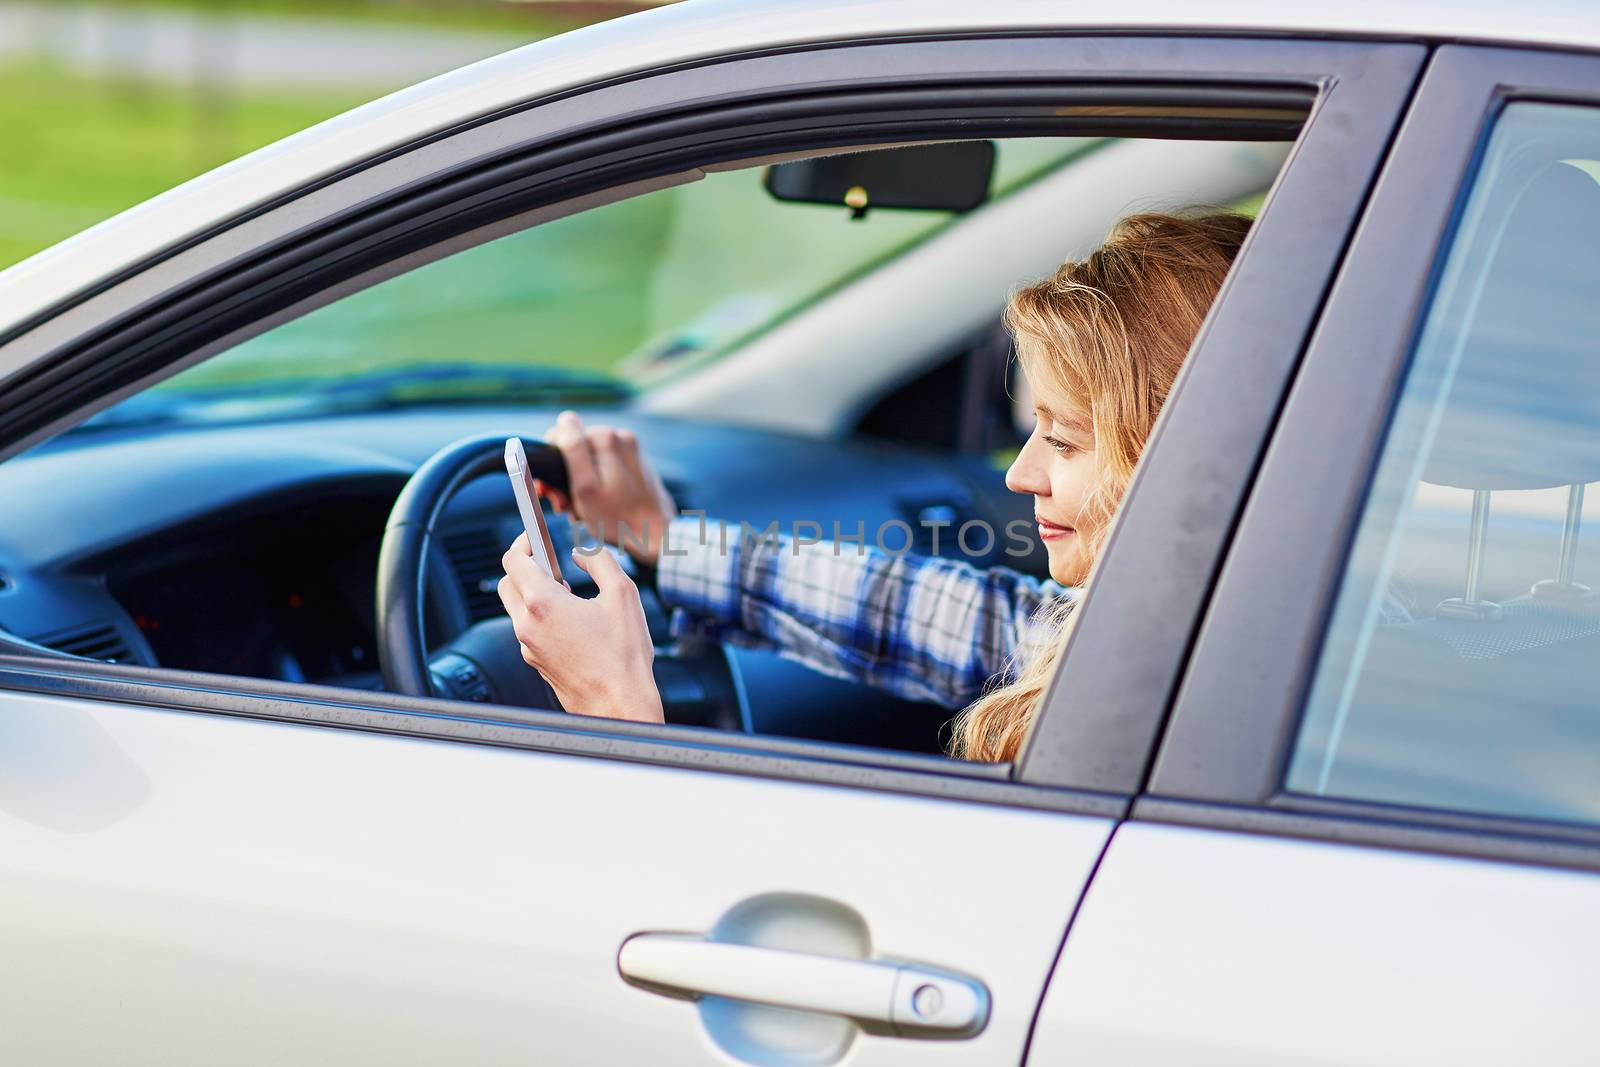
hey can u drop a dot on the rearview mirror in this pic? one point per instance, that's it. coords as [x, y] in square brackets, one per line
[931, 177]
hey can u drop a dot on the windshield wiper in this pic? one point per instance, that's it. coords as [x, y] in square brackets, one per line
[400, 387]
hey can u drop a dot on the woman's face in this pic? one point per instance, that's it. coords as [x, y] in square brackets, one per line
[1057, 468]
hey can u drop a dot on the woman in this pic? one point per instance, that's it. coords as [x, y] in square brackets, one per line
[1100, 343]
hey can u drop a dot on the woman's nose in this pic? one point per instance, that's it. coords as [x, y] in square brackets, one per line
[1025, 476]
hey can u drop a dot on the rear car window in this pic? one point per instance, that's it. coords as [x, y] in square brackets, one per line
[1461, 668]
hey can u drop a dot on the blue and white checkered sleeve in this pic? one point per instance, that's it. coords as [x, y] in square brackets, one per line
[698, 569]
[921, 627]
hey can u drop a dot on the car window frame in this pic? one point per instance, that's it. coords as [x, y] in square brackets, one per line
[167, 307]
[1112, 692]
[1235, 724]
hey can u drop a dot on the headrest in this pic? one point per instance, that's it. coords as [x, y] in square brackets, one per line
[1524, 409]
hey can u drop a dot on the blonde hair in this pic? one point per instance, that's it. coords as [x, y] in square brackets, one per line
[1104, 336]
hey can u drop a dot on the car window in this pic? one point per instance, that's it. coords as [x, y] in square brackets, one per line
[1461, 667]
[268, 473]
[580, 309]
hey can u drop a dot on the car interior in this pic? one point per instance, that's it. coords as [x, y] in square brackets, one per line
[815, 338]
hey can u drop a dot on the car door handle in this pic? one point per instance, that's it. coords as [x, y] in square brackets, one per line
[895, 998]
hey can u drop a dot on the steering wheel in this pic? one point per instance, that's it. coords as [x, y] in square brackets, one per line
[697, 678]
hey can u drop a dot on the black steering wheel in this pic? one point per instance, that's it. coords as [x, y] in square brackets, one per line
[697, 678]
[402, 582]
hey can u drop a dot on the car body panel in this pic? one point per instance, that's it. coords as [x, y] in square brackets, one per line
[1197, 947]
[228, 889]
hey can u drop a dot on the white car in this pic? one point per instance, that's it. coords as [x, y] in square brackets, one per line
[1319, 780]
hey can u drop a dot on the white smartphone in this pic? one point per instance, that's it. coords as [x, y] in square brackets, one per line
[528, 505]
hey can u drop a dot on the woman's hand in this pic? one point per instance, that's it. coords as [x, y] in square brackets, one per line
[596, 653]
[615, 493]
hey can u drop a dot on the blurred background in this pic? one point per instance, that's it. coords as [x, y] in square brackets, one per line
[104, 104]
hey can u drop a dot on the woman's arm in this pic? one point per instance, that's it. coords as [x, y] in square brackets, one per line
[922, 627]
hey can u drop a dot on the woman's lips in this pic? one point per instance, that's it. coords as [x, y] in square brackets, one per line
[1050, 531]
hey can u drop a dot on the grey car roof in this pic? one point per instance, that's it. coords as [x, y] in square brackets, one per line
[698, 30]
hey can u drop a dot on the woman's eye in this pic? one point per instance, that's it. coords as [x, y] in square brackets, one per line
[1064, 447]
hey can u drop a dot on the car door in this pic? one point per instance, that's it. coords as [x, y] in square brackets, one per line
[1373, 831]
[200, 868]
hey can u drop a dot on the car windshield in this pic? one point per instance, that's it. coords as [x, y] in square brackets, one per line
[589, 308]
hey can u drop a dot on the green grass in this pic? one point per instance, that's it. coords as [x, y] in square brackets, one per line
[582, 293]
[80, 149]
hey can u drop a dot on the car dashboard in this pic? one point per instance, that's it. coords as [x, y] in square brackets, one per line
[278, 595]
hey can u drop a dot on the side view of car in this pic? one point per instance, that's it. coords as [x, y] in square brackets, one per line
[1315, 782]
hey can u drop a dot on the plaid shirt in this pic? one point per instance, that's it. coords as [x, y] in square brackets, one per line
[921, 627]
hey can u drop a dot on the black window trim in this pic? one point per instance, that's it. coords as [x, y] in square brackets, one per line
[268, 252]
[1235, 722]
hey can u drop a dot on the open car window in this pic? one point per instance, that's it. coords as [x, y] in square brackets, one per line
[281, 457]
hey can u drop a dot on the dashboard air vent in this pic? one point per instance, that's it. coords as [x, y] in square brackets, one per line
[96, 640]
[475, 556]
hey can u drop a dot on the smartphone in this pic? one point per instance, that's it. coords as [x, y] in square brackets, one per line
[528, 505]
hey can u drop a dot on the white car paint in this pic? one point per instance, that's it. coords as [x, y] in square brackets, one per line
[1212, 949]
[191, 889]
